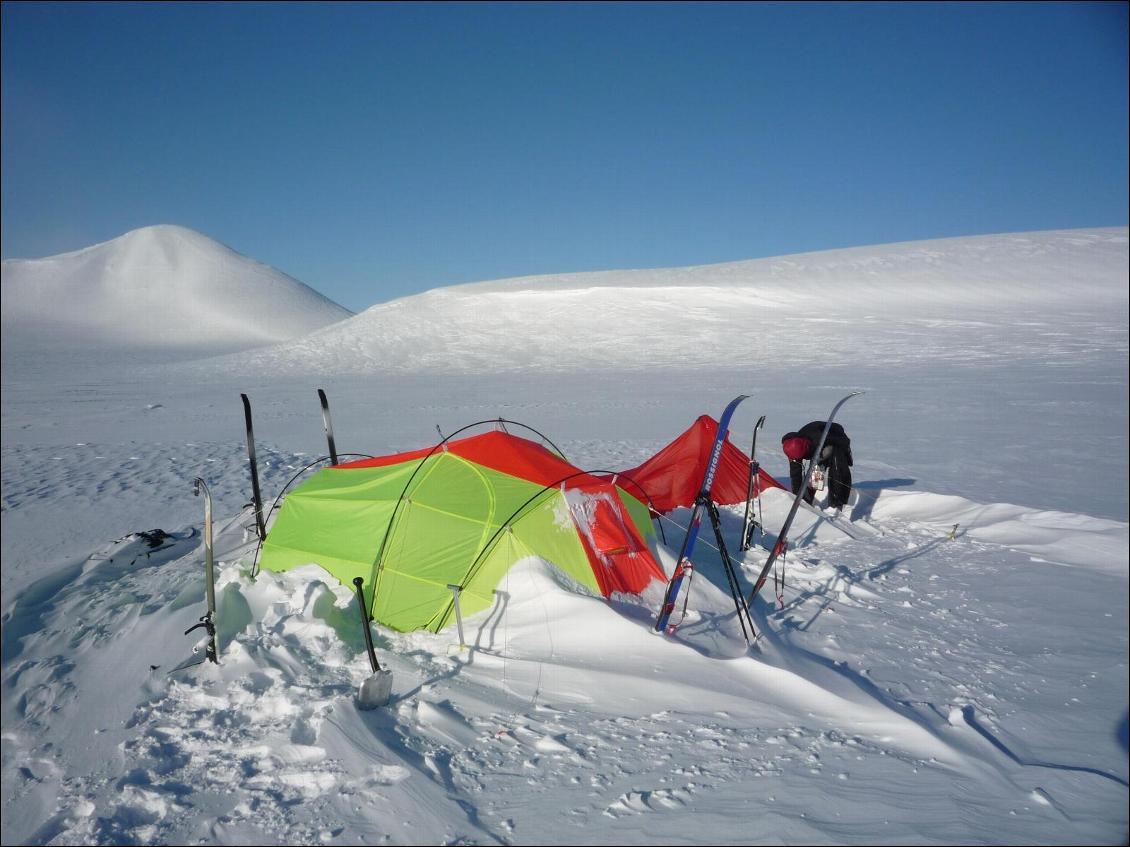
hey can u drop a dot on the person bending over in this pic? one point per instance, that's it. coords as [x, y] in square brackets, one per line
[835, 460]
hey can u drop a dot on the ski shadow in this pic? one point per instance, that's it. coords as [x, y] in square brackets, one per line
[870, 491]
[826, 593]
[788, 655]
[890, 564]
[969, 715]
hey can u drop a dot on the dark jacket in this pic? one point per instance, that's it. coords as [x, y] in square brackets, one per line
[835, 458]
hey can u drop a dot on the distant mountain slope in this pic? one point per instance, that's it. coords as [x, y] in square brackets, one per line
[991, 297]
[165, 287]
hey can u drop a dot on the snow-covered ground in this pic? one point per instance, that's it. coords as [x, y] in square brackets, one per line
[909, 686]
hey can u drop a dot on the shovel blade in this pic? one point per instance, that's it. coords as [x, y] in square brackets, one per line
[376, 690]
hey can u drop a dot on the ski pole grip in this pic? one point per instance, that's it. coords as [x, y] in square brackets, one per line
[358, 582]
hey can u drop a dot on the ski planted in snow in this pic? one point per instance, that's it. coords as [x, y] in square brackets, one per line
[257, 498]
[208, 621]
[782, 536]
[328, 425]
[684, 568]
[750, 522]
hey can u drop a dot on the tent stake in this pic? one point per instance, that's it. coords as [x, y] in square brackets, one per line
[455, 589]
[376, 689]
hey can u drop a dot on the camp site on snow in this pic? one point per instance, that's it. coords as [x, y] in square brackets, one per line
[541, 585]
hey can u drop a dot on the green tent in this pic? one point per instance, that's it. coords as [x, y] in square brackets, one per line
[462, 513]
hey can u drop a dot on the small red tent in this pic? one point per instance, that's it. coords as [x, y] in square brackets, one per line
[673, 476]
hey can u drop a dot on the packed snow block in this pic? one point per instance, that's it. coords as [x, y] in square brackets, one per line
[376, 690]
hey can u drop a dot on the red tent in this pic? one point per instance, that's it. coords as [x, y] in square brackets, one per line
[673, 476]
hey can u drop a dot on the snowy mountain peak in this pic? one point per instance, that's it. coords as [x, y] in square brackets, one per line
[163, 286]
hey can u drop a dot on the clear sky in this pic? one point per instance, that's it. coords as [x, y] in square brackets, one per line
[374, 151]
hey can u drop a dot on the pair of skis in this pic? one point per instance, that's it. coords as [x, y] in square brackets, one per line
[684, 569]
[257, 498]
[782, 544]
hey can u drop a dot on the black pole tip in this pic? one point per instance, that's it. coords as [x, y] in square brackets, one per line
[358, 581]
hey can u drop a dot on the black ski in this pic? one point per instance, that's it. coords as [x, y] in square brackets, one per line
[257, 498]
[328, 424]
[782, 536]
[749, 523]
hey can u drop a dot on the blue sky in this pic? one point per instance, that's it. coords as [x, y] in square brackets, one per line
[374, 151]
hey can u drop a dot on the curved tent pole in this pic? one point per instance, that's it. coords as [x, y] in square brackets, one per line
[275, 504]
[378, 561]
[516, 516]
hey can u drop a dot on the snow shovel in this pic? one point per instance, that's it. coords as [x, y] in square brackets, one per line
[377, 689]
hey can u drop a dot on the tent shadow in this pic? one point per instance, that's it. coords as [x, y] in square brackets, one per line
[488, 626]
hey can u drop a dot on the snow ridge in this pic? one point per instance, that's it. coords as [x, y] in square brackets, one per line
[633, 320]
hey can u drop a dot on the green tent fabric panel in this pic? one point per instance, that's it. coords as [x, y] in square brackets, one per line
[550, 531]
[450, 514]
[426, 551]
[449, 484]
[639, 514]
[406, 604]
[545, 530]
[380, 483]
[341, 536]
[539, 533]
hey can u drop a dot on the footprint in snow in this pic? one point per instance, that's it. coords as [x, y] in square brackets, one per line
[638, 802]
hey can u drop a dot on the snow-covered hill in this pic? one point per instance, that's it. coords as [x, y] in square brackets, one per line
[950, 297]
[158, 287]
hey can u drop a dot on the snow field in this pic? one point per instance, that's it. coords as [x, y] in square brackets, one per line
[567, 719]
[916, 684]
